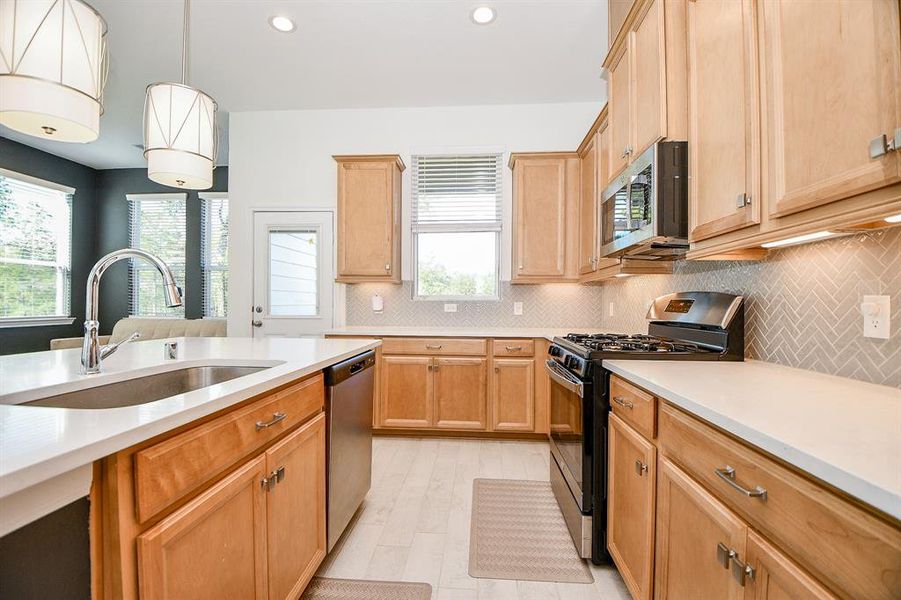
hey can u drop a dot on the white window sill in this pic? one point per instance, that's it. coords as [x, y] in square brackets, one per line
[8, 322]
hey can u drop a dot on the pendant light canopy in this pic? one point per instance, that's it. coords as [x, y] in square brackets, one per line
[181, 133]
[53, 67]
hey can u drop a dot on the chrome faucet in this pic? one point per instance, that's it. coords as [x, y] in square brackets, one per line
[91, 351]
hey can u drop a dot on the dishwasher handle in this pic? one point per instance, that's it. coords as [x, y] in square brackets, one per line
[346, 369]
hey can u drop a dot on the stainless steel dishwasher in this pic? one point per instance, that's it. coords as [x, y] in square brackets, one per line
[349, 386]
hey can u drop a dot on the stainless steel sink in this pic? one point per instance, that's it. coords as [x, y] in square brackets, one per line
[142, 390]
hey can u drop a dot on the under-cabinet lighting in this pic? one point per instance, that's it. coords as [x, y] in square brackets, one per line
[799, 239]
[893, 219]
[483, 15]
[283, 24]
[622, 274]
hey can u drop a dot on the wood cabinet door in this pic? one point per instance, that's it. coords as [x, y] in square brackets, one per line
[513, 394]
[831, 80]
[631, 493]
[295, 509]
[540, 227]
[690, 525]
[214, 547]
[648, 91]
[366, 219]
[617, 11]
[724, 152]
[406, 392]
[461, 390]
[619, 84]
[777, 577]
[588, 218]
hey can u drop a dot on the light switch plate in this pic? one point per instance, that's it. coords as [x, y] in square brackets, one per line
[450, 308]
[877, 313]
[610, 309]
[517, 308]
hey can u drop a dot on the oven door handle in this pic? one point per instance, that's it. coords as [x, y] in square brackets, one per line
[563, 378]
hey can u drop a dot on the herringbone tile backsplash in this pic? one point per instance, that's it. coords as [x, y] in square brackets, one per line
[802, 304]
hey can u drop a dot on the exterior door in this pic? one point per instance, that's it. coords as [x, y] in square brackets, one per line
[461, 386]
[630, 505]
[293, 271]
[214, 547]
[831, 75]
[406, 394]
[724, 152]
[295, 509]
[691, 525]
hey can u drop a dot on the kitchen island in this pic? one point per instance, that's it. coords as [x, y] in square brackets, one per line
[185, 453]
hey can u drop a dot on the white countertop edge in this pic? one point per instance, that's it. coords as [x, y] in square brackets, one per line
[547, 333]
[846, 481]
[52, 464]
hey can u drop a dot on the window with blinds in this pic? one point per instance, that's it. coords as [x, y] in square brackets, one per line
[156, 224]
[456, 222]
[214, 254]
[35, 249]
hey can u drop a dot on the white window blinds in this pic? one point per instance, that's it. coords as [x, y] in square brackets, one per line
[214, 254]
[457, 192]
[35, 248]
[156, 224]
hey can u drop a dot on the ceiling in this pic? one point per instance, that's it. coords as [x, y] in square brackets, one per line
[344, 54]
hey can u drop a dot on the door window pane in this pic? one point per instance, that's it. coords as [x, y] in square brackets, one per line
[293, 273]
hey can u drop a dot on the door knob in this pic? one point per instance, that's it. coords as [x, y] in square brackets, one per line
[257, 323]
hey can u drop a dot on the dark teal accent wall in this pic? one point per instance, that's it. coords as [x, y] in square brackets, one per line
[29, 161]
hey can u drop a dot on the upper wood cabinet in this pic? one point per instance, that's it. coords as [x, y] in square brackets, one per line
[646, 73]
[617, 11]
[724, 151]
[631, 497]
[831, 75]
[369, 213]
[588, 215]
[545, 216]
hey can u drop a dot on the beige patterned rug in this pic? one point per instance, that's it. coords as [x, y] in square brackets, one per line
[321, 588]
[518, 532]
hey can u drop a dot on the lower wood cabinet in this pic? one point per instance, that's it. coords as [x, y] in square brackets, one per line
[259, 533]
[695, 532]
[405, 397]
[776, 577]
[212, 548]
[630, 504]
[460, 393]
[513, 394]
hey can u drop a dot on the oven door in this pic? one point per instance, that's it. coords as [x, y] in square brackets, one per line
[571, 433]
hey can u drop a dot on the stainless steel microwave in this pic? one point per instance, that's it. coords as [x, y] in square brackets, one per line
[644, 211]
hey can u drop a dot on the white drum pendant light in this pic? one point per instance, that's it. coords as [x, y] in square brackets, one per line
[181, 134]
[53, 67]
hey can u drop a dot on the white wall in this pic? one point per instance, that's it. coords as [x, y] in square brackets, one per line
[283, 160]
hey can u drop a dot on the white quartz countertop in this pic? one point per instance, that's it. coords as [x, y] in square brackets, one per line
[39, 443]
[487, 332]
[842, 431]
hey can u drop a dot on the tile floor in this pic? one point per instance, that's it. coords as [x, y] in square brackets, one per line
[414, 524]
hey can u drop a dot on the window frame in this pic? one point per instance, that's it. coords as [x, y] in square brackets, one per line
[66, 318]
[205, 268]
[497, 230]
[134, 267]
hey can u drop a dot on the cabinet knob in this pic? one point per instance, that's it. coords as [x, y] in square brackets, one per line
[640, 467]
[743, 200]
[387, 266]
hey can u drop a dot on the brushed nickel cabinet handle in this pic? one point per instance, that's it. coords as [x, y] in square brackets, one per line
[276, 417]
[513, 348]
[623, 402]
[727, 474]
[433, 347]
[724, 554]
[640, 467]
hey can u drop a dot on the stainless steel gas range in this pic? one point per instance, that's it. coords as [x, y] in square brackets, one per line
[682, 326]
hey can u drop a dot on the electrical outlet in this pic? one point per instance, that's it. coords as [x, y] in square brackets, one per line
[610, 309]
[876, 312]
[450, 308]
[517, 309]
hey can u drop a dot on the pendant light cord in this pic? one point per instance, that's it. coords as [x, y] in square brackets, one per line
[184, 44]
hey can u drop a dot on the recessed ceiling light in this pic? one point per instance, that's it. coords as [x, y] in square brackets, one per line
[483, 15]
[894, 219]
[810, 237]
[283, 24]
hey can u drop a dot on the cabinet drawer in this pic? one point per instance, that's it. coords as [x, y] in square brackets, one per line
[170, 470]
[634, 406]
[434, 346]
[851, 550]
[513, 347]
